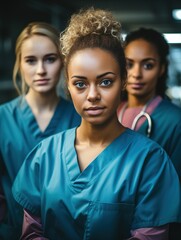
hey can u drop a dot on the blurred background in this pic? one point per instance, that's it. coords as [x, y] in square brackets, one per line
[158, 14]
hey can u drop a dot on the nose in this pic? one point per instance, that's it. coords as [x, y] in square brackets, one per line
[93, 94]
[41, 68]
[136, 71]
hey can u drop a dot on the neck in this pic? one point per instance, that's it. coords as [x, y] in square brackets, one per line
[42, 101]
[135, 101]
[98, 135]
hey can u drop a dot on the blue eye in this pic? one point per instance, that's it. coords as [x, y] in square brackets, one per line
[106, 82]
[80, 85]
[50, 59]
[31, 61]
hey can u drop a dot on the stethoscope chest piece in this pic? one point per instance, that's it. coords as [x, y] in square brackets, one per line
[137, 118]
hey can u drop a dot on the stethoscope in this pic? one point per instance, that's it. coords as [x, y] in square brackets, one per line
[143, 113]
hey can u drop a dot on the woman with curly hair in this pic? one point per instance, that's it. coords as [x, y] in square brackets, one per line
[99, 180]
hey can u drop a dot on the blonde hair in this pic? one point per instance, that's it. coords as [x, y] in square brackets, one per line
[93, 28]
[34, 28]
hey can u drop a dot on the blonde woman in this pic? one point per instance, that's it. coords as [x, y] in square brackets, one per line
[34, 115]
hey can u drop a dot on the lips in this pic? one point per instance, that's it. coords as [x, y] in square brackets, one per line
[136, 85]
[42, 81]
[94, 110]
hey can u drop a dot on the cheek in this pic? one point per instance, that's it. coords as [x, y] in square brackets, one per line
[77, 102]
[76, 99]
[114, 98]
[27, 70]
[128, 73]
[152, 78]
[27, 74]
[55, 70]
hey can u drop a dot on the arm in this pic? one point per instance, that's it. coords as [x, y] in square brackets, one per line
[155, 233]
[32, 228]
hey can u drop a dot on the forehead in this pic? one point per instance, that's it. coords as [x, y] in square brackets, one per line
[93, 58]
[38, 44]
[141, 48]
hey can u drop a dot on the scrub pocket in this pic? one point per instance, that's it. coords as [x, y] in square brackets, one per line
[108, 221]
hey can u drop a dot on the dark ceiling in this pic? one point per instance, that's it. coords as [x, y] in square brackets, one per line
[131, 13]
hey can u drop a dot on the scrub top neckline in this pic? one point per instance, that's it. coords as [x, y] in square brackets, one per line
[79, 179]
[31, 120]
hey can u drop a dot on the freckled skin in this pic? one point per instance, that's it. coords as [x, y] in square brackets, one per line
[94, 68]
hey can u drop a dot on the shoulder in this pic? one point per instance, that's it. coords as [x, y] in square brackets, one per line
[139, 139]
[56, 140]
[49, 151]
[140, 144]
[11, 105]
[169, 107]
[148, 153]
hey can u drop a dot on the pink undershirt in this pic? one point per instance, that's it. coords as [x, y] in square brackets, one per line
[129, 114]
[32, 230]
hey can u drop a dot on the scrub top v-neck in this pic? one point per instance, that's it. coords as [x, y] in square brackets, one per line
[105, 200]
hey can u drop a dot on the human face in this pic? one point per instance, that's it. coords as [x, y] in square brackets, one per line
[144, 68]
[94, 84]
[40, 64]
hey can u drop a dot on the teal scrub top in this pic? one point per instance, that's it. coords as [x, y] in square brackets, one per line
[166, 130]
[131, 184]
[19, 134]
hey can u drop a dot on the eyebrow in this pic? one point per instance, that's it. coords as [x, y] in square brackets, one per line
[46, 55]
[104, 74]
[99, 76]
[143, 60]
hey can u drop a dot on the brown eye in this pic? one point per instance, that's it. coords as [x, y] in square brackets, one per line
[148, 66]
[129, 65]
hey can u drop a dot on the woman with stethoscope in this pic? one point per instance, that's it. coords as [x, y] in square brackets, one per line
[145, 108]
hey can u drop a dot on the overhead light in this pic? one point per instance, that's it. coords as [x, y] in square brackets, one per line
[173, 37]
[176, 13]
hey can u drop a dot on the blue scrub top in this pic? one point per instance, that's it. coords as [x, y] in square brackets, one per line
[131, 184]
[166, 130]
[19, 134]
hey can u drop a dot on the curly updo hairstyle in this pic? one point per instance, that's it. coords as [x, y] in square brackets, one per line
[93, 28]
